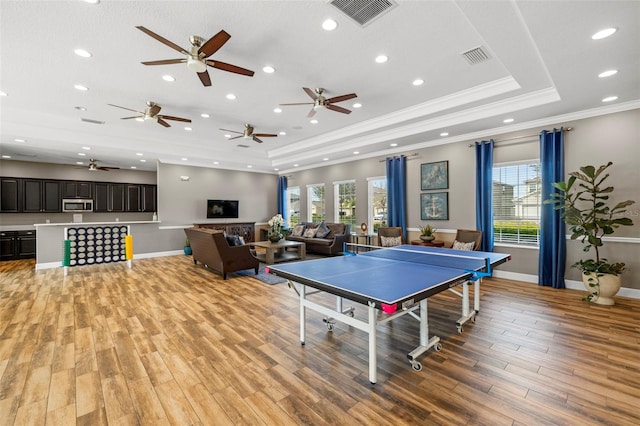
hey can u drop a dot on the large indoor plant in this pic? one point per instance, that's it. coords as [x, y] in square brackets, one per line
[583, 200]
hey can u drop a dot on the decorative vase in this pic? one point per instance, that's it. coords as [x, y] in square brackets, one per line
[609, 286]
[274, 237]
[187, 250]
[427, 238]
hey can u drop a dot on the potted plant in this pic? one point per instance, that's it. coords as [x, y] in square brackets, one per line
[426, 233]
[187, 247]
[585, 208]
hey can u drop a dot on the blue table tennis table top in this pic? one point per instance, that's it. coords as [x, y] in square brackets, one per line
[390, 275]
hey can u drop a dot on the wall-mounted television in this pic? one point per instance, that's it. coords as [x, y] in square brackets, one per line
[222, 209]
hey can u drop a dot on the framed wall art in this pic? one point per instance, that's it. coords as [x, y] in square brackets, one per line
[434, 206]
[434, 175]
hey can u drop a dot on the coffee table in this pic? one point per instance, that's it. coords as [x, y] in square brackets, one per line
[277, 252]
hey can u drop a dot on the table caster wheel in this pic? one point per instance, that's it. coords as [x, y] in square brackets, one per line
[437, 347]
[351, 313]
[459, 330]
[329, 326]
[416, 365]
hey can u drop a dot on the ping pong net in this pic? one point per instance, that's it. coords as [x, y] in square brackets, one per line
[477, 266]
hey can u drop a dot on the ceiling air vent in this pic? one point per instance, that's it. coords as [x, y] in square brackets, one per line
[364, 11]
[242, 146]
[88, 120]
[475, 56]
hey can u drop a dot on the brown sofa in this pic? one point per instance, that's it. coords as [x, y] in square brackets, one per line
[330, 244]
[210, 247]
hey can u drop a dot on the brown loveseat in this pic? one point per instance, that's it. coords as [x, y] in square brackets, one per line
[331, 244]
[210, 247]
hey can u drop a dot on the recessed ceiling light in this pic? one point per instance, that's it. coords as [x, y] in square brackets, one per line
[86, 148]
[81, 87]
[295, 165]
[357, 105]
[205, 115]
[188, 129]
[80, 108]
[329, 25]
[143, 161]
[231, 96]
[79, 162]
[604, 33]
[276, 169]
[381, 59]
[268, 69]
[508, 120]
[607, 73]
[92, 1]
[314, 121]
[83, 53]
[216, 162]
[283, 133]
[140, 120]
[6, 156]
[82, 154]
[133, 167]
[356, 152]
[250, 166]
[184, 159]
[325, 159]
[394, 144]
[227, 135]
[3, 94]
[418, 82]
[139, 154]
[277, 110]
[610, 99]
[444, 134]
[20, 140]
[168, 78]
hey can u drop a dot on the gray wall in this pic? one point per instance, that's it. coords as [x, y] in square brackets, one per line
[185, 202]
[614, 137]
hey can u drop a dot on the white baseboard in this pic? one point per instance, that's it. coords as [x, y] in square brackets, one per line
[50, 265]
[633, 293]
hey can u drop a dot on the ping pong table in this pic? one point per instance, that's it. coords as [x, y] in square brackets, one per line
[396, 280]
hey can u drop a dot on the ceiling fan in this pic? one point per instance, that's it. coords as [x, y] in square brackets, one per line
[93, 166]
[319, 101]
[151, 113]
[196, 56]
[248, 134]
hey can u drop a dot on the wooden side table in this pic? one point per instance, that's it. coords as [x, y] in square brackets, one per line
[434, 243]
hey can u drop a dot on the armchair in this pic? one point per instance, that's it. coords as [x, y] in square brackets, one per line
[390, 236]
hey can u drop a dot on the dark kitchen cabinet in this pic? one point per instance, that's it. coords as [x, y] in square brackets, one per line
[41, 196]
[76, 189]
[141, 198]
[9, 195]
[17, 245]
[109, 197]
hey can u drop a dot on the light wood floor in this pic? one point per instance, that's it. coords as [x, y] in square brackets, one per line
[167, 342]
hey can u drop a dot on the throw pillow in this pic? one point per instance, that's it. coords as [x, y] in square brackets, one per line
[297, 230]
[390, 241]
[234, 240]
[310, 233]
[459, 245]
[322, 230]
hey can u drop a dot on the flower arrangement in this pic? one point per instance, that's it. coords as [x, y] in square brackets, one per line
[275, 227]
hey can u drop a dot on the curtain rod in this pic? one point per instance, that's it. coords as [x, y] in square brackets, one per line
[415, 154]
[568, 129]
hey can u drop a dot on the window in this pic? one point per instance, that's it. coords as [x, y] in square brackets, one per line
[516, 203]
[345, 202]
[315, 202]
[377, 203]
[293, 205]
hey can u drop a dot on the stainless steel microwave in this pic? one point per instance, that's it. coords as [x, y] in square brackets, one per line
[77, 205]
